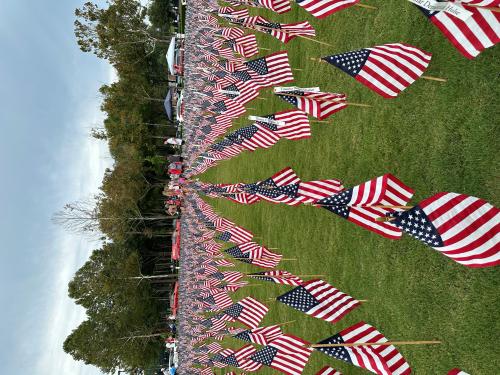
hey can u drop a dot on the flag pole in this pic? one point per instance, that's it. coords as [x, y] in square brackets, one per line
[366, 6]
[284, 323]
[493, 9]
[431, 78]
[354, 344]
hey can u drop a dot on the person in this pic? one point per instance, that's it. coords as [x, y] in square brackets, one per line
[172, 209]
[173, 141]
[174, 158]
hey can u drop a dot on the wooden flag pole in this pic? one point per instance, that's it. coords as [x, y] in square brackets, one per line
[265, 49]
[366, 6]
[493, 9]
[284, 324]
[430, 78]
[353, 344]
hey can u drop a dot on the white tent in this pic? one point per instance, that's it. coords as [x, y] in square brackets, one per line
[171, 56]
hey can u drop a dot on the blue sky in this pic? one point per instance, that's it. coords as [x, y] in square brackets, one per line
[48, 96]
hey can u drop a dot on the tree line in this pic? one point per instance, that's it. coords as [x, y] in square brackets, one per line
[126, 311]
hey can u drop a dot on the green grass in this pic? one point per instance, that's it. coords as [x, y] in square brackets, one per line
[434, 137]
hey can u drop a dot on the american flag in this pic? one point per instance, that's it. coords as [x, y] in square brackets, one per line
[379, 359]
[243, 198]
[278, 277]
[284, 32]
[274, 189]
[228, 276]
[253, 253]
[236, 235]
[295, 124]
[323, 8]
[240, 359]
[248, 311]
[386, 69]
[328, 371]
[214, 347]
[274, 68]
[237, 13]
[361, 204]
[473, 35]
[230, 32]
[239, 92]
[223, 263]
[206, 371]
[317, 104]
[254, 136]
[219, 301]
[319, 299]
[457, 371]
[287, 354]
[245, 45]
[260, 335]
[464, 228]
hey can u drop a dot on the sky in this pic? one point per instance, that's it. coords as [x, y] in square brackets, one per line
[49, 102]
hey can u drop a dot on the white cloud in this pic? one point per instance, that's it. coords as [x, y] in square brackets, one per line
[85, 168]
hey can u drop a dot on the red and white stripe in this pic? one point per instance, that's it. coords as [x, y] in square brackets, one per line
[472, 36]
[311, 191]
[292, 355]
[244, 198]
[382, 360]
[253, 312]
[263, 138]
[469, 228]
[393, 67]
[259, 255]
[246, 45]
[333, 304]
[214, 347]
[286, 31]
[323, 8]
[278, 69]
[384, 190]
[231, 32]
[457, 371]
[278, 6]
[264, 335]
[279, 277]
[296, 124]
[317, 104]
[240, 235]
[328, 371]
[232, 276]
[237, 13]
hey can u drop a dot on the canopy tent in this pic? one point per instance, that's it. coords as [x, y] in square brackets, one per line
[167, 103]
[171, 56]
[180, 109]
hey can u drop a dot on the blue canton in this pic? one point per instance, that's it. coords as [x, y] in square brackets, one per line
[350, 62]
[416, 223]
[338, 203]
[339, 352]
[258, 65]
[245, 336]
[265, 356]
[234, 311]
[299, 298]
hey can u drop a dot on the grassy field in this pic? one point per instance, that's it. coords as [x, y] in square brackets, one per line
[434, 137]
